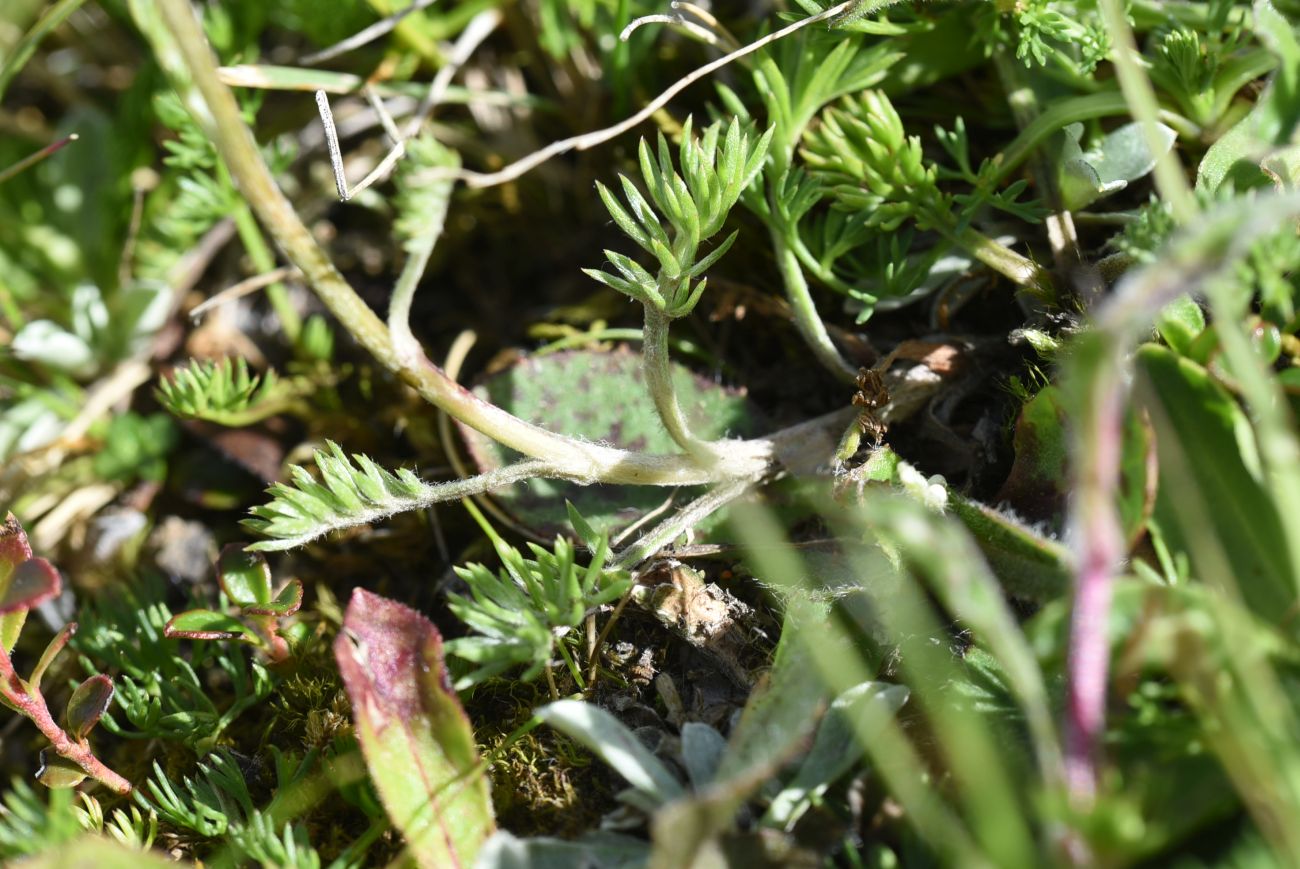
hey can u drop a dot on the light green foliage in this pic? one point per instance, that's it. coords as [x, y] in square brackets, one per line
[223, 392]
[520, 613]
[862, 149]
[1068, 34]
[160, 692]
[30, 824]
[714, 172]
[351, 492]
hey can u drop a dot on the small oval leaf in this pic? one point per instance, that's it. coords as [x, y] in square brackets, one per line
[57, 771]
[245, 576]
[32, 583]
[207, 625]
[286, 603]
[87, 704]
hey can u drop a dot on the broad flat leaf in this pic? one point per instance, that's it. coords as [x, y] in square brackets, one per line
[207, 625]
[600, 397]
[1210, 503]
[32, 583]
[702, 749]
[1120, 157]
[416, 739]
[286, 603]
[245, 576]
[611, 741]
[87, 704]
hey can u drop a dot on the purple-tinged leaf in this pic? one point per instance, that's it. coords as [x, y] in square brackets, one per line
[29, 584]
[245, 577]
[57, 771]
[207, 625]
[87, 704]
[286, 603]
[415, 736]
[14, 548]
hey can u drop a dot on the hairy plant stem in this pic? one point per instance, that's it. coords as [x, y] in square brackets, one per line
[657, 365]
[806, 319]
[185, 55]
[31, 704]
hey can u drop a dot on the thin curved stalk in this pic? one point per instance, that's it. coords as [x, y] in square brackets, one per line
[184, 53]
[806, 319]
[657, 364]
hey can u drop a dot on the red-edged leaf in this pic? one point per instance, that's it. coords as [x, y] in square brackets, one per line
[30, 584]
[207, 625]
[415, 736]
[87, 705]
[245, 577]
[286, 603]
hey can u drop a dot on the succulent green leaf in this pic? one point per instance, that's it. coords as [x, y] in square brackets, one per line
[87, 705]
[245, 576]
[56, 771]
[417, 741]
[203, 624]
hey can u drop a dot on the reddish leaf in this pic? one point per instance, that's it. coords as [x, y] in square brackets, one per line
[14, 548]
[30, 584]
[415, 736]
[87, 705]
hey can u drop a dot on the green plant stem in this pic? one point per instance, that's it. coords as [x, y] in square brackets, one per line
[657, 364]
[264, 261]
[1002, 259]
[806, 319]
[419, 250]
[184, 53]
[1141, 98]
